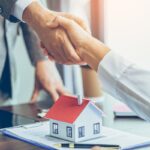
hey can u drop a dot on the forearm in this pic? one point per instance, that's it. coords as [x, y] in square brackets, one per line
[93, 52]
[127, 82]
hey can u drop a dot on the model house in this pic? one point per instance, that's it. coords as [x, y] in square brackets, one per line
[74, 122]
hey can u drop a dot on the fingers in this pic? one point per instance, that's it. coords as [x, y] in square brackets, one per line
[50, 89]
[53, 93]
[70, 51]
[67, 54]
[35, 93]
[60, 34]
[53, 23]
[58, 56]
[61, 90]
[61, 21]
[72, 17]
[77, 19]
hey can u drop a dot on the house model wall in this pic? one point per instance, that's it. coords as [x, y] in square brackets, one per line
[73, 122]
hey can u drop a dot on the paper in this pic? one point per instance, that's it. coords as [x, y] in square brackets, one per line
[122, 110]
[39, 133]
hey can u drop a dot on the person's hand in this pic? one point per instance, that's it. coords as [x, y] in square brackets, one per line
[96, 148]
[56, 40]
[47, 78]
[77, 35]
[87, 47]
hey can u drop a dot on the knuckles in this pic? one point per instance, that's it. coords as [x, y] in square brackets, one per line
[60, 35]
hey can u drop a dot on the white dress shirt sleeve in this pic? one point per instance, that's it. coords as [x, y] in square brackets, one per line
[19, 8]
[126, 82]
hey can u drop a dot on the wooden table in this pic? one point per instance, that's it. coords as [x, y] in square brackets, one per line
[136, 126]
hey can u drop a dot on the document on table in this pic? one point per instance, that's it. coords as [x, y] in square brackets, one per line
[38, 134]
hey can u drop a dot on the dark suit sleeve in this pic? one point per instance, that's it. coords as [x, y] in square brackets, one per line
[6, 7]
[32, 44]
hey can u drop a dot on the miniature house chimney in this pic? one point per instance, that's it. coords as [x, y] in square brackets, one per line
[80, 100]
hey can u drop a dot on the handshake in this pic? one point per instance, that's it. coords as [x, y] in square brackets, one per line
[65, 37]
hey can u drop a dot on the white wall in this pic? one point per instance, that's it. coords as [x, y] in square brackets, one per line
[127, 28]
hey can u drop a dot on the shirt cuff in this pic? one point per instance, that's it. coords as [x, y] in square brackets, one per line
[110, 70]
[19, 8]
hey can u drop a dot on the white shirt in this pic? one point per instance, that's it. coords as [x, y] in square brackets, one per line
[126, 82]
[19, 8]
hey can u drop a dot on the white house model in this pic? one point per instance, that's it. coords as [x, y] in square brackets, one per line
[73, 122]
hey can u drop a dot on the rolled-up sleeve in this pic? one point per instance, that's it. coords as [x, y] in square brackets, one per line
[127, 82]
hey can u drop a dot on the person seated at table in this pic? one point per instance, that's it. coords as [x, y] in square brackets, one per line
[120, 77]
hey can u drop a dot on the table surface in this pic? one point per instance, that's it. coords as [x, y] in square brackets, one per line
[132, 125]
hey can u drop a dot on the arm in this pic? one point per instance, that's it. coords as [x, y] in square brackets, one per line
[126, 82]
[56, 41]
[120, 78]
[47, 77]
[35, 15]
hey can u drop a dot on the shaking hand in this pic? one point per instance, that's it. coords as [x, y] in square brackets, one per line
[56, 41]
[87, 47]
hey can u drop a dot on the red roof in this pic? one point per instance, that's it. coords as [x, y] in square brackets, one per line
[66, 109]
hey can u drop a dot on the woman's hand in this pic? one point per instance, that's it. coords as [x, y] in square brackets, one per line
[87, 47]
[47, 78]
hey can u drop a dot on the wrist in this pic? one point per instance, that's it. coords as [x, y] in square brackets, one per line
[36, 15]
[93, 53]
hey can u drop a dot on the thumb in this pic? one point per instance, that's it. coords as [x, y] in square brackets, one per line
[77, 19]
[53, 93]
[54, 23]
[35, 94]
[66, 23]
[62, 91]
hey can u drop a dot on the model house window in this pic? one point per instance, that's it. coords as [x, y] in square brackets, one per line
[96, 128]
[55, 128]
[81, 131]
[69, 132]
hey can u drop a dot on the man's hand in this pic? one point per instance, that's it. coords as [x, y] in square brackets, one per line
[87, 47]
[47, 78]
[56, 40]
